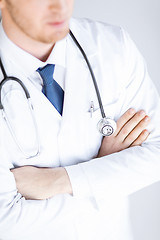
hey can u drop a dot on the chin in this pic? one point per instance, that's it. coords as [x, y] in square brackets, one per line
[61, 34]
[54, 37]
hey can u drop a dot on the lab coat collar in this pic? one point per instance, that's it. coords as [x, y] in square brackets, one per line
[84, 38]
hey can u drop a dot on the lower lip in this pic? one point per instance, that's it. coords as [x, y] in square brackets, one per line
[57, 24]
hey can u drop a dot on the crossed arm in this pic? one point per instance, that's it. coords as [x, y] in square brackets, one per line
[42, 183]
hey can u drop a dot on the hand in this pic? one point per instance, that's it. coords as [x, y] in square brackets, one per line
[130, 132]
[41, 183]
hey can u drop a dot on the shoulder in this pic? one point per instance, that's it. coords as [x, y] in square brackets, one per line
[115, 49]
[106, 38]
[98, 31]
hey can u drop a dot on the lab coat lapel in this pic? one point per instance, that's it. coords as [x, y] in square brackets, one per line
[79, 91]
[78, 80]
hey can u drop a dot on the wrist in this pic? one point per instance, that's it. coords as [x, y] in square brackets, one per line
[61, 181]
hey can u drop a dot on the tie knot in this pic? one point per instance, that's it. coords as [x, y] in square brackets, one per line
[46, 73]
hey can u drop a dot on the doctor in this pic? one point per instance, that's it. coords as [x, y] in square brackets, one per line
[76, 187]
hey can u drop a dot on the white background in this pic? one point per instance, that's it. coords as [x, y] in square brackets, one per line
[141, 18]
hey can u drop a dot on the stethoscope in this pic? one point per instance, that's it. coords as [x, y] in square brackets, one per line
[106, 126]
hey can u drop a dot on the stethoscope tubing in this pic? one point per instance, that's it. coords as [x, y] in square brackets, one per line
[11, 78]
[106, 126]
[8, 78]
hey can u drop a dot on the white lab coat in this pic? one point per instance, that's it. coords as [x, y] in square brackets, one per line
[98, 208]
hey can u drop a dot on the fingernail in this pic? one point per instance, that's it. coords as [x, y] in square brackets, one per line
[145, 132]
[142, 113]
[146, 119]
[132, 111]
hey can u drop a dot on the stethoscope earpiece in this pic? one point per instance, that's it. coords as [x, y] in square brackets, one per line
[107, 126]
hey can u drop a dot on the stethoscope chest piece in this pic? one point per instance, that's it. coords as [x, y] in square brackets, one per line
[107, 126]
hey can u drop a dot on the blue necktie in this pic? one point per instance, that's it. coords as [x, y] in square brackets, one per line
[51, 88]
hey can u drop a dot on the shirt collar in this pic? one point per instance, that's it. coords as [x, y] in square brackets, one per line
[14, 53]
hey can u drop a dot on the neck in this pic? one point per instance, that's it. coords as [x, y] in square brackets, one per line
[37, 49]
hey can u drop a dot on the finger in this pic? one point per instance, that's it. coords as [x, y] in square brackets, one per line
[124, 119]
[141, 138]
[135, 133]
[131, 124]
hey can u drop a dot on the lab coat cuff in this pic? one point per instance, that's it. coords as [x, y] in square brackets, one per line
[79, 182]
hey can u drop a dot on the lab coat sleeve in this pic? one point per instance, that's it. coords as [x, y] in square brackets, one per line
[24, 219]
[125, 172]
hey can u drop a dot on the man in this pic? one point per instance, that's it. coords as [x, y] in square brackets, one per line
[75, 188]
